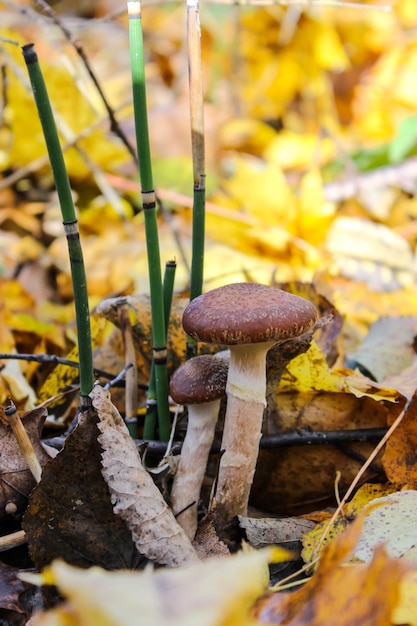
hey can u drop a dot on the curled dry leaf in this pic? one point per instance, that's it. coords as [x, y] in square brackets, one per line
[135, 497]
[70, 515]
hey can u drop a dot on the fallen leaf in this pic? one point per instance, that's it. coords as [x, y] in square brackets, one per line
[70, 514]
[17, 597]
[216, 592]
[371, 253]
[295, 479]
[264, 531]
[135, 498]
[366, 495]
[387, 348]
[406, 612]
[358, 594]
[400, 456]
[393, 523]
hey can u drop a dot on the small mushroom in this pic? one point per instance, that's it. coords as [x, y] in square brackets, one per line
[249, 318]
[200, 384]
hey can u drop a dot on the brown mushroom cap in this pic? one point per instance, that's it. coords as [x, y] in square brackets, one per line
[201, 379]
[243, 313]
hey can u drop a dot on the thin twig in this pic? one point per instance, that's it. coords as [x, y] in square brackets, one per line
[304, 3]
[24, 443]
[7, 542]
[99, 176]
[43, 160]
[57, 360]
[293, 438]
[131, 390]
[343, 4]
[114, 124]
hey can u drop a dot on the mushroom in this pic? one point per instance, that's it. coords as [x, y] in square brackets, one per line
[249, 318]
[200, 384]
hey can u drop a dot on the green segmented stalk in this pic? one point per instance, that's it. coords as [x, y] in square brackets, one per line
[79, 281]
[149, 208]
[197, 142]
[168, 290]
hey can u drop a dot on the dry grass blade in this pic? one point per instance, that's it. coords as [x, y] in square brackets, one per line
[196, 90]
[24, 442]
[130, 359]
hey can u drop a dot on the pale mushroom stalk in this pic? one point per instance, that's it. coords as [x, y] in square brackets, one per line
[249, 318]
[200, 384]
[246, 402]
[191, 468]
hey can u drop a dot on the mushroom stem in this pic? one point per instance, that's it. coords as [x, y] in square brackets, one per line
[200, 383]
[247, 371]
[192, 464]
[246, 385]
[238, 462]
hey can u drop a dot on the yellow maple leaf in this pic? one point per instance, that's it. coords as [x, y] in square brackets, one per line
[260, 189]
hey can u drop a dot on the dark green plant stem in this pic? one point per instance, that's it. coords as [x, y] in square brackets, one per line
[79, 281]
[195, 73]
[149, 208]
[149, 428]
[197, 143]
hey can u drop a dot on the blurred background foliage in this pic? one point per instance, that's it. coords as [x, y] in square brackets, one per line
[311, 137]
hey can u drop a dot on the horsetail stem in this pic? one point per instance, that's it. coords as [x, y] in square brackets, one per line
[168, 290]
[197, 143]
[70, 222]
[149, 209]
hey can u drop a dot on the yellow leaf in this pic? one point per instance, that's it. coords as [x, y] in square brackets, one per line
[406, 610]
[315, 214]
[295, 150]
[366, 494]
[363, 497]
[406, 11]
[216, 592]
[75, 101]
[328, 48]
[402, 90]
[246, 135]
[260, 189]
[311, 540]
[309, 372]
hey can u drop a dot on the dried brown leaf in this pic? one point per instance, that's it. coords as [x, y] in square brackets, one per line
[70, 514]
[135, 497]
[400, 457]
[16, 597]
